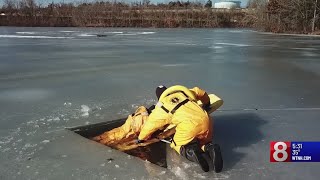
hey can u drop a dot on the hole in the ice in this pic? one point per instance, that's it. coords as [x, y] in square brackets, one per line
[154, 153]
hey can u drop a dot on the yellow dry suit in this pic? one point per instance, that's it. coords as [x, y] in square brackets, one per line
[131, 127]
[178, 106]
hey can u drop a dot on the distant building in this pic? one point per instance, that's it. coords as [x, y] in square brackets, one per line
[227, 4]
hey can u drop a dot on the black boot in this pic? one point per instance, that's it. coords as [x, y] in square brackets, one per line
[215, 155]
[193, 153]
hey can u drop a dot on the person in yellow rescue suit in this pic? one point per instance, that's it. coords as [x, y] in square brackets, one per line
[131, 127]
[178, 106]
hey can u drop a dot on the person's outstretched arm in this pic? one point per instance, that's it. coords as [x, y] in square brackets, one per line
[157, 120]
[201, 95]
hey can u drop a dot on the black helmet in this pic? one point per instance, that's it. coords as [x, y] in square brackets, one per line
[160, 90]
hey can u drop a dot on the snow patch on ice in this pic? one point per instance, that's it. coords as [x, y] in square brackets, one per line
[309, 49]
[237, 31]
[85, 110]
[135, 106]
[86, 35]
[67, 31]
[174, 65]
[146, 32]
[309, 54]
[67, 104]
[186, 44]
[222, 176]
[26, 32]
[28, 145]
[199, 176]
[180, 173]
[115, 32]
[6, 149]
[6, 140]
[216, 47]
[45, 141]
[123, 112]
[186, 165]
[130, 34]
[233, 44]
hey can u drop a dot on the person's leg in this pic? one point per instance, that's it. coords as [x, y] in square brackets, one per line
[185, 145]
[206, 137]
[213, 150]
[115, 134]
[194, 153]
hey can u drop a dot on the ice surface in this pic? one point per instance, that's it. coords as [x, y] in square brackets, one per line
[34, 37]
[44, 81]
[25, 94]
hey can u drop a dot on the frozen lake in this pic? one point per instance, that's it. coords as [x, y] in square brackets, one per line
[52, 78]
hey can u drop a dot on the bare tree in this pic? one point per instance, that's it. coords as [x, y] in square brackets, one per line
[314, 15]
[299, 16]
[10, 6]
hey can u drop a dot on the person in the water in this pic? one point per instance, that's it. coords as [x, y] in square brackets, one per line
[130, 128]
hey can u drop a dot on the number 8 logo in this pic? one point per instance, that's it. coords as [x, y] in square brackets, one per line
[280, 151]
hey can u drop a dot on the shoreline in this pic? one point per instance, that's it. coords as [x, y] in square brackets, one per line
[290, 34]
[114, 27]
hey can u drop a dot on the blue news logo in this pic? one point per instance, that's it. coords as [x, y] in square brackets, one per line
[286, 151]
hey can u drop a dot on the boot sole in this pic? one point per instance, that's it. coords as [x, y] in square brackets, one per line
[202, 162]
[218, 161]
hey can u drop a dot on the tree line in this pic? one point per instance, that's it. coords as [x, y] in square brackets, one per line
[119, 14]
[294, 16]
[31, 7]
